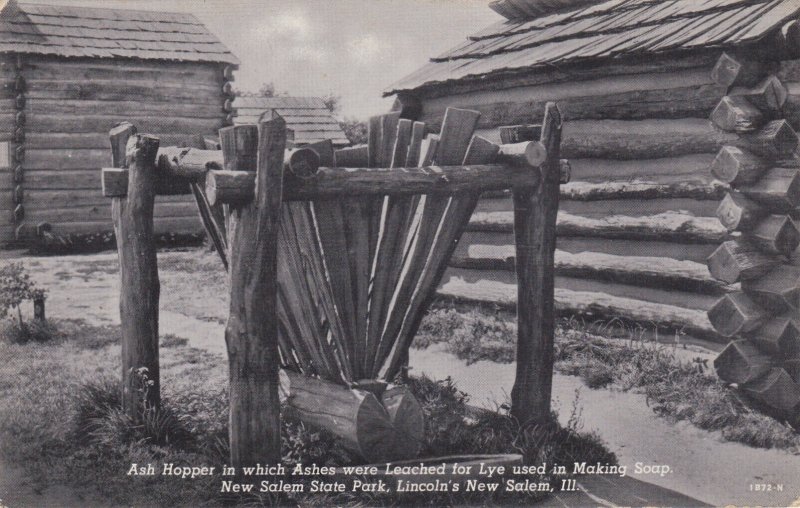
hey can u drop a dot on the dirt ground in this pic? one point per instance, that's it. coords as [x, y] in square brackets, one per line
[194, 307]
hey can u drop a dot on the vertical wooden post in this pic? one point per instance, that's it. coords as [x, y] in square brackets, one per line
[38, 308]
[139, 285]
[251, 333]
[535, 213]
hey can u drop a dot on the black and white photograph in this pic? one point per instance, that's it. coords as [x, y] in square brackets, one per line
[399, 253]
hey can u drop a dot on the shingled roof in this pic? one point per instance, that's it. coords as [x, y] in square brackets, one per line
[609, 29]
[107, 33]
[308, 117]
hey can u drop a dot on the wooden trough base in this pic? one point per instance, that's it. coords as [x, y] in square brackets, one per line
[387, 425]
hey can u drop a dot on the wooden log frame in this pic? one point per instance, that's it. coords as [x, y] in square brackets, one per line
[139, 284]
[254, 209]
[765, 312]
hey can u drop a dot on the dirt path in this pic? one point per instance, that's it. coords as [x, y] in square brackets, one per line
[704, 467]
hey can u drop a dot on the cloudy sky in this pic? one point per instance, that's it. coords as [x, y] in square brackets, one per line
[352, 48]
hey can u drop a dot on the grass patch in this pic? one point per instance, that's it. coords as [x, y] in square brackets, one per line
[677, 388]
[63, 422]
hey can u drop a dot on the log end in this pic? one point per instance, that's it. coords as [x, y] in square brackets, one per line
[408, 419]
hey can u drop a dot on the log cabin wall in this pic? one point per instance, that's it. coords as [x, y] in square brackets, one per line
[70, 107]
[8, 113]
[69, 74]
[637, 220]
[637, 82]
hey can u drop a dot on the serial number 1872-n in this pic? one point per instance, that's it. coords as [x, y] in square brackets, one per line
[766, 487]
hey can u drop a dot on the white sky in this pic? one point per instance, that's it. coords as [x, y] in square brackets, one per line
[352, 48]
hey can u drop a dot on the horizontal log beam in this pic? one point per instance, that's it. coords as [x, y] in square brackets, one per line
[330, 183]
[778, 189]
[658, 273]
[776, 234]
[735, 166]
[669, 226]
[738, 213]
[776, 389]
[661, 138]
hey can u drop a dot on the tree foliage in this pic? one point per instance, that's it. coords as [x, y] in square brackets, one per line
[355, 130]
[16, 287]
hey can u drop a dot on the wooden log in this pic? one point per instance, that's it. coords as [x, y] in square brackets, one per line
[738, 213]
[777, 390]
[741, 362]
[38, 308]
[330, 183]
[737, 260]
[139, 284]
[524, 153]
[731, 70]
[592, 306]
[115, 90]
[408, 420]
[778, 189]
[188, 163]
[640, 271]
[775, 140]
[778, 336]
[355, 416]
[667, 227]
[735, 166]
[776, 234]
[535, 213]
[114, 182]
[661, 138]
[778, 290]
[736, 114]
[354, 156]
[633, 96]
[302, 162]
[769, 95]
[251, 333]
[510, 134]
[736, 313]
[324, 150]
[234, 188]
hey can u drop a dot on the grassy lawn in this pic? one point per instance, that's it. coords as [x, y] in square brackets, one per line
[61, 421]
[676, 387]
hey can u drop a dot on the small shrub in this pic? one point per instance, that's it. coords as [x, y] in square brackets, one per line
[17, 287]
[32, 331]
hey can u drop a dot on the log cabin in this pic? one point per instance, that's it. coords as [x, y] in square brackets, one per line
[70, 74]
[653, 94]
[308, 118]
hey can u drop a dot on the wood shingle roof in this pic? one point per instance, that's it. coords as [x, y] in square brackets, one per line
[107, 33]
[610, 29]
[308, 117]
